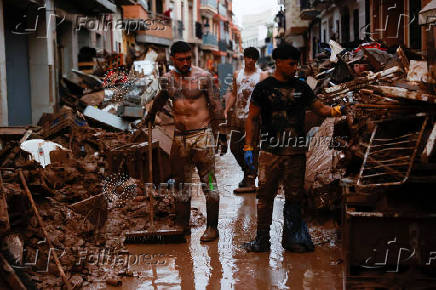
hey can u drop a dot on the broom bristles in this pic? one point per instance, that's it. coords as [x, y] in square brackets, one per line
[144, 237]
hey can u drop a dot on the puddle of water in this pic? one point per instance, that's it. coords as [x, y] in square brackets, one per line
[223, 263]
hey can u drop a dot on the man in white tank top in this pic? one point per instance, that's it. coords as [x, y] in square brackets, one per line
[237, 108]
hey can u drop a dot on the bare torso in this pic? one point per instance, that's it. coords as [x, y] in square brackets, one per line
[189, 95]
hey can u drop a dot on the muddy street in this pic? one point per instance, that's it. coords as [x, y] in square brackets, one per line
[224, 264]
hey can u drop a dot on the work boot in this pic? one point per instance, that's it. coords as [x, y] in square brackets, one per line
[209, 235]
[260, 244]
[296, 237]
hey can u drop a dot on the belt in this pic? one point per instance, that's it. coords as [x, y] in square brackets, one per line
[188, 132]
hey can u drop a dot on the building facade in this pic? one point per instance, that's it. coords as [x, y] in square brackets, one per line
[349, 22]
[42, 41]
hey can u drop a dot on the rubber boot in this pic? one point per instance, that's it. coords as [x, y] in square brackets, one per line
[296, 237]
[183, 214]
[212, 208]
[261, 243]
[251, 180]
[247, 185]
[243, 182]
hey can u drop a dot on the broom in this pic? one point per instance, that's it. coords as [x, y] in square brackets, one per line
[154, 235]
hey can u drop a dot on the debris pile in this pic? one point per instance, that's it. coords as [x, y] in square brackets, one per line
[84, 168]
[374, 87]
[113, 94]
[378, 167]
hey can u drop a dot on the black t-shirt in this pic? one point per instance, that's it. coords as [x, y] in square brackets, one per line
[283, 106]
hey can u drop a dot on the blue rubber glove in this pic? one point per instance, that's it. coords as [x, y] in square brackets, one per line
[249, 159]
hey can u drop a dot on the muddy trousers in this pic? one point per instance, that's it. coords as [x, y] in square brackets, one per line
[237, 142]
[189, 150]
[290, 170]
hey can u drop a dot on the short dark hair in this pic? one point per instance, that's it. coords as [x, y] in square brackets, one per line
[286, 51]
[180, 47]
[251, 52]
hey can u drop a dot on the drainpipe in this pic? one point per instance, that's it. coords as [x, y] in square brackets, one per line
[3, 84]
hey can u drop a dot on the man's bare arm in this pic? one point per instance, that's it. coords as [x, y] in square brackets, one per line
[158, 102]
[215, 106]
[232, 96]
[324, 110]
[251, 124]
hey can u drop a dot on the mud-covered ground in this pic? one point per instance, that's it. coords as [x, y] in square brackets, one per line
[224, 264]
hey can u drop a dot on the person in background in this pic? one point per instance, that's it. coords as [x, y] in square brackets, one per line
[244, 82]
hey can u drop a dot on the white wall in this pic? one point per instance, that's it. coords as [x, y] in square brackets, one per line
[333, 13]
[41, 68]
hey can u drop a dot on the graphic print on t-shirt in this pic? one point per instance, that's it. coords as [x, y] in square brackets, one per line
[246, 85]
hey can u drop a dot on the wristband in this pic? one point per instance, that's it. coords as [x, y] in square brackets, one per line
[248, 148]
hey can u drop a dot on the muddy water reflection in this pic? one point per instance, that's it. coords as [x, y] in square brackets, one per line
[223, 264]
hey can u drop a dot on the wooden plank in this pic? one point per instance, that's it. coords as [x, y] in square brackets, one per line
[403, 93]
[12, 130]
[9, 275]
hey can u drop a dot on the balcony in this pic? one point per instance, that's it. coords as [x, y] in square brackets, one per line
[161, 27]
[149, 28]
[210, 42]
[222, 45]
[133, 12]
[321, 4]
[208, 7]
[154, 28]
[86, 7]
[307, 12]
[222, 10]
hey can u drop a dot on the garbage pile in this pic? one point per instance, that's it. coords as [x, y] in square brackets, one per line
[389, 128]
[76, 183]
[115, 95]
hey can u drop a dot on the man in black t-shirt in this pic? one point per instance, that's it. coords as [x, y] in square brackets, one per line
[281, 102]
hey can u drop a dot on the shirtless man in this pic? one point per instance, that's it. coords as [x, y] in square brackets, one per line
[197, 116]
[243, 84]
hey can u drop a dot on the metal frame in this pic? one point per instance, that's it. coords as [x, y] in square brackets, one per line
[392, 164]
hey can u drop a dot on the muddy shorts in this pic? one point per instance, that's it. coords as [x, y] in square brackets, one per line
[195, 148]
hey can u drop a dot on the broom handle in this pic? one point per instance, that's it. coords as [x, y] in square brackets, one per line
[150, 171]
